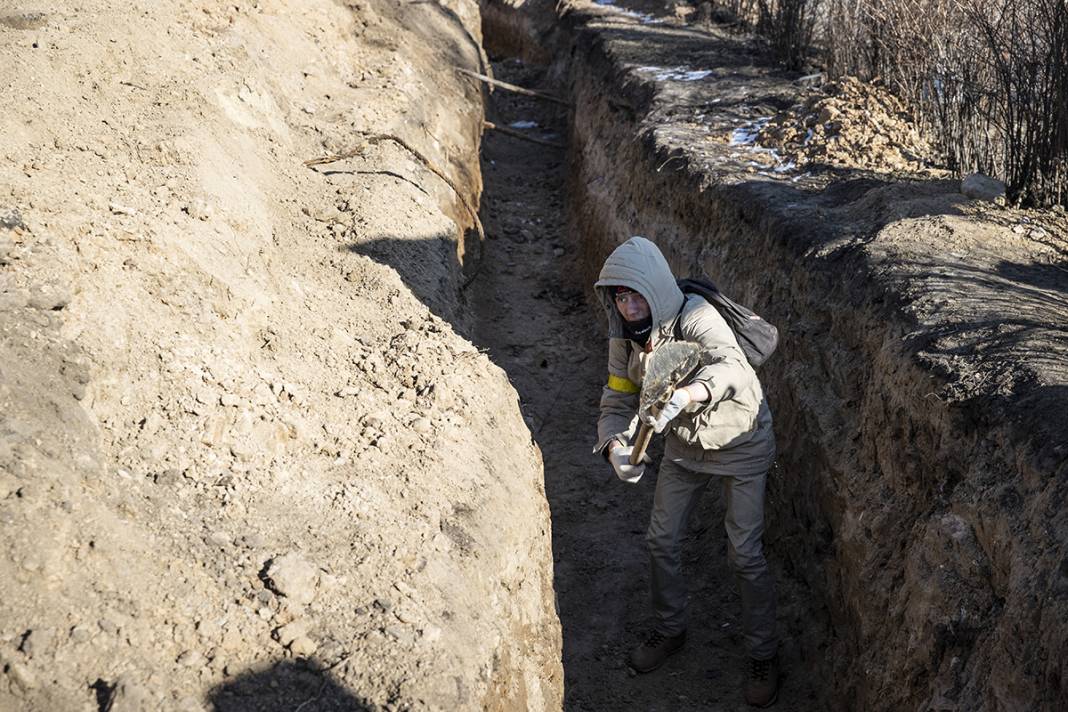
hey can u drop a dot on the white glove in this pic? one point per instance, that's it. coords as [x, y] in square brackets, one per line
[679, 400]
[619, 456]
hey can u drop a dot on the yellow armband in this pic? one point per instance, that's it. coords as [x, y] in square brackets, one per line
[622, 385]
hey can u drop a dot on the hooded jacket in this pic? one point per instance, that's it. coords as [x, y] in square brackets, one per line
[731, 433]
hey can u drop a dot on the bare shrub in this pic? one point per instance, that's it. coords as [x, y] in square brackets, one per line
[745, 11]
[788, 25]
[1027, 56]
[988, 80]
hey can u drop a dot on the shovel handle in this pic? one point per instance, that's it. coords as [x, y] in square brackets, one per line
[645, 434]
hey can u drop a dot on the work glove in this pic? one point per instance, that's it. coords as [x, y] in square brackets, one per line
[679, 400]
[619, 456]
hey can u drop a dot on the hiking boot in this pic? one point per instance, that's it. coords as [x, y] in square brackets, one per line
[655, 650]
[762, 685]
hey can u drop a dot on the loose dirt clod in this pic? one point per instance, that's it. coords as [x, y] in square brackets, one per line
[293, 577]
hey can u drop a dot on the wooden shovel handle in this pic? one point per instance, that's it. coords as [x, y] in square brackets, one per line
[645, 434]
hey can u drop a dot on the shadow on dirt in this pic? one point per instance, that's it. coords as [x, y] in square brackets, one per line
[428, 266]
[453, 19]
[286, 686]
[441, 26]
[1044, 278]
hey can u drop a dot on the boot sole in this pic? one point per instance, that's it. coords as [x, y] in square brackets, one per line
[642, 671]
[769, 703]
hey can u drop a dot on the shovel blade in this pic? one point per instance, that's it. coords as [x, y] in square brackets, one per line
[665, 367]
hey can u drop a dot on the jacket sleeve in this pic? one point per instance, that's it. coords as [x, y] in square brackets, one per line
[619, 399]
[728, 371]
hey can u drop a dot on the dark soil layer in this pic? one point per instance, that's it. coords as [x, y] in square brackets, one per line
[919, 389]
[538, 326]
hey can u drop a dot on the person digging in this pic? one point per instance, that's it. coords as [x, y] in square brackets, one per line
[717, 427]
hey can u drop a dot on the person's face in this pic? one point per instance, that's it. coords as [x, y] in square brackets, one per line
[632, 306]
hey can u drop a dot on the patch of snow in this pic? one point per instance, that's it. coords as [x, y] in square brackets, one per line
[693, 76]
[675, 74]
[747, 135]
[641, 17]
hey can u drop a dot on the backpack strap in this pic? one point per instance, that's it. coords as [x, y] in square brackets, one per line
[676, 329]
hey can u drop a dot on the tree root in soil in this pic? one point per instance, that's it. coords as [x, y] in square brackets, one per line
[373, 139]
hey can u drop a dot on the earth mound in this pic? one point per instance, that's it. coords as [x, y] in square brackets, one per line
[849, 124]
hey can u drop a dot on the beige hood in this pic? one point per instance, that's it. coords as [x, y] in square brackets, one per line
[639, 265]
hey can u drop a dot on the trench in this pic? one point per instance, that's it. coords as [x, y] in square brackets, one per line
[909, 484]
[533, 314]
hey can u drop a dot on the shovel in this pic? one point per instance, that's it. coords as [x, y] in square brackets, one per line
[665, 368]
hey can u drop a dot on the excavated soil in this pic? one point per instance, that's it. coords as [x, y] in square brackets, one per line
[847, 124]
[246, 460]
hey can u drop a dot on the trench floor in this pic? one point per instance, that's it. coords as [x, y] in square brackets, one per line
[533, 315]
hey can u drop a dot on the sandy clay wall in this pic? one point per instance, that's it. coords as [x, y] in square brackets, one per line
[242, 466]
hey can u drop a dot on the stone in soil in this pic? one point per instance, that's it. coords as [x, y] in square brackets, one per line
[293, 577]
[289, 632]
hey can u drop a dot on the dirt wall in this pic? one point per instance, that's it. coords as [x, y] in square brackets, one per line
[242, 464]
[520, 28]
[926, 520]
[922, 471]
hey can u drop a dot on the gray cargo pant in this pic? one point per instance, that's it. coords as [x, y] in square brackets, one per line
[677, 492]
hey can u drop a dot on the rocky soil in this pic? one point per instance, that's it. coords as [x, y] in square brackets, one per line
[246, 460]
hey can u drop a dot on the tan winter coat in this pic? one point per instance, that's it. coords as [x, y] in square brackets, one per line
[731, 433]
